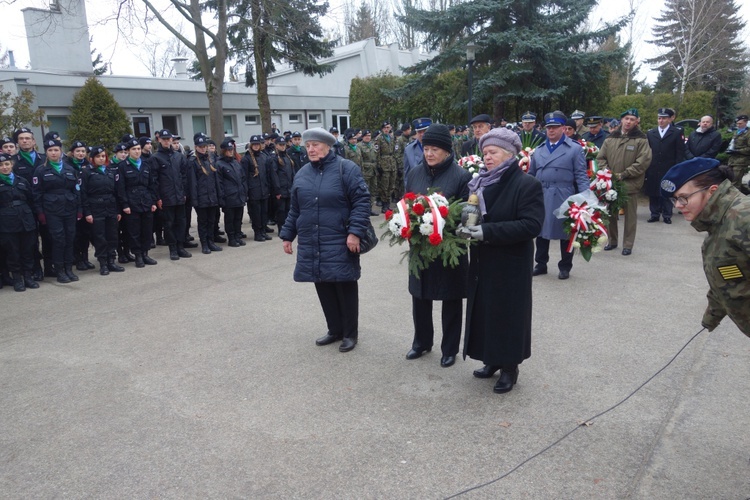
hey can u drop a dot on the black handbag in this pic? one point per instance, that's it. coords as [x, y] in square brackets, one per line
[370, 239]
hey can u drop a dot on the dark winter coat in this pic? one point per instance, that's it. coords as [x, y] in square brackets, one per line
[98, 192]
[234, 182]
[282, 173]
[438, 282]
[56, 193]
[16, 202]
[258, 183]
[498, 312]
[136, 189]
[170, 169]
[666, 152]
[704, 144]
[299, 157]
[206, 188]
[329, 201]
[24, 168]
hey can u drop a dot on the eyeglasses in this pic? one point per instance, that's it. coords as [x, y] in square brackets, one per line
[683, 200]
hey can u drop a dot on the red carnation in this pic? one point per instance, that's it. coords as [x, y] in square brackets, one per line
[598, 233]
[405, 233]
[443, 211]
[436, 239]
[587, 243]
[410, 196]
[418, 208]
[388, 214]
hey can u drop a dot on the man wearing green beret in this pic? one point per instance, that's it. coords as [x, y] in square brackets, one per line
[627, 155]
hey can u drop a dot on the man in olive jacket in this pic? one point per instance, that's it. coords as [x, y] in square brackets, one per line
[627, 154]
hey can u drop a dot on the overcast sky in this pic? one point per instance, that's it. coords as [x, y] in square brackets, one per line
[125, 55]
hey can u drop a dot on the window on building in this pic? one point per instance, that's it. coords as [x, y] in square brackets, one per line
[170, 123]
[199, 124]
[228, 125]
[60, 125]
[313, 117]
[252, 119]
[295, 118]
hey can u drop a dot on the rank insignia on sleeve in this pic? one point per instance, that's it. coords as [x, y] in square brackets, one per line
[730, 272]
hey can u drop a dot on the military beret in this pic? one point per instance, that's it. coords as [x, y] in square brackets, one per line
[366, 132]
[384, 124]
[664, 112]
[481, 119]
[593, 120]
[406, 126]
[679, 174]
[77, 144]
[22, 130]
[5, 157]
[451, 127]
[421, 123]
[318, 135]
[227, 144]
[631, 112]
[742, 117]
[132, 143]
[120, 147]
[555, 119]
[296, 134]
[52, 143]
[51, 136]
[349, 135]
[528, 117]
[577, 114]
[127, 137]
[163, 134]
[6, 140]
[96, 150]
[256, 139]
[144, 140]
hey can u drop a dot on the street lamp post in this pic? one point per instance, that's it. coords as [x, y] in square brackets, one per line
[471, 54]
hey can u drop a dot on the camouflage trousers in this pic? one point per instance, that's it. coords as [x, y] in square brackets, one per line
[739, 172]
[387, 184]
[371, 178]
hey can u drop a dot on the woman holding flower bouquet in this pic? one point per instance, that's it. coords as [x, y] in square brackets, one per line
[438, 172]
[498, 313]
[330, 212]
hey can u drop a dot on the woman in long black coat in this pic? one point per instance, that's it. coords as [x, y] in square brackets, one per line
[498, 314]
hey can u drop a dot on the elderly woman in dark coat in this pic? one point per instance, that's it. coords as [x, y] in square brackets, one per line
[438, 171]
[498, 314]
[330, 211]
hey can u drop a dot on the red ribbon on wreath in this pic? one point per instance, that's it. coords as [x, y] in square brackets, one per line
[581, 219]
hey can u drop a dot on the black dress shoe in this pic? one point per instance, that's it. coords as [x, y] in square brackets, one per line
[667, 220]
[260, 237]
[506, 381]
[328, 339]
[563, 275]
[653, 219]
[447, 361]
[205, 249]
[608, 247]
[486, 371]
[626, 251]
[539, 270]
[347, 344]
[416, 353]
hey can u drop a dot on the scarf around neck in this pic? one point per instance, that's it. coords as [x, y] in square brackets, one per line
[488, 178]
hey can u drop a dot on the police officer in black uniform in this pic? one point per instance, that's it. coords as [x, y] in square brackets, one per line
[136, 194]
[235, 192]
[17, 225]
[76, 158]
[206, 193]
[282, 177]
[296, 150]
[100, 210]
[57, 202]
[171, 175]
[258, 187]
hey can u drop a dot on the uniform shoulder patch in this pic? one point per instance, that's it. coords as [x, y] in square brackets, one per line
[732, 272]
[35, 180]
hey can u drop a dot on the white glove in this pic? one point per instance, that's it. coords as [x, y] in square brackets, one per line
[476, 232]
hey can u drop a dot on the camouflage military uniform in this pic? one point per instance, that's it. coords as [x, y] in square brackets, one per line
[353, 154]
[369, 162]
[385, 147]
[726, 256]
[739, 159]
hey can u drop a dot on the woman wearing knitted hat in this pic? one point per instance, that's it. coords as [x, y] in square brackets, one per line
[438, 171]
[498, 313]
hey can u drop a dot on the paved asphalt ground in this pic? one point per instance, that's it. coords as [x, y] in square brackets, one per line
[201, 379]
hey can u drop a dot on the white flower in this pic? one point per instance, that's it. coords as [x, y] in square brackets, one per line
[425, 224]
[394, 226]
[576, 244]
[603, 240]
[610, 195]
[601, 185]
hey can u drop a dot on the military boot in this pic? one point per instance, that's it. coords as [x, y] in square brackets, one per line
[139, 260]
[148, 260]
[173, 255]
[184, 254]
[29, 281]
[113, 267]
[103, 268]
[69, 272]
[204, 247]
[18, 284]
[213, 246]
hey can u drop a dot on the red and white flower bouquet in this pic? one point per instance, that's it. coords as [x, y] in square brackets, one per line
[472, 164]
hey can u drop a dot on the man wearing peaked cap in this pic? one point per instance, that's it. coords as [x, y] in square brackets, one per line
[667, 144]
[414, 152]
[627, 155]
[480, 124]
[739, 153]
[596, 133]
[560, 166]
[579, 116]
[297, 151]
[8, 146]
[386, 166]
[530, 136]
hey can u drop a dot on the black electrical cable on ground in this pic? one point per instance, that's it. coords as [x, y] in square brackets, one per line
[585, 423]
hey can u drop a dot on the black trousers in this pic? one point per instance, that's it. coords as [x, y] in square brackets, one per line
[159, 222]
[282, 210]
[123, 237]
[62, 233]
[258, 212]
[46, 254]
[188, 217]
[104, 231]
[207, 217]
[140, 225]
[18, 250]
[174, 224]
[340, 303]
[82, 239]
[233, 221]
[542, 254]
[659, 205]
[424, 331]
[271, 208]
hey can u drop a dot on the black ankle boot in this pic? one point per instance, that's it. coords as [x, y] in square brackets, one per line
[103, 268]
[18, 284]
[29, 281]
[69, 272]
[139, 260]
[184, 254]
[204, 247]
[148, 260]
[114, 268]
[62, 276]
[213, 246]
[508, 378]
[173, 252]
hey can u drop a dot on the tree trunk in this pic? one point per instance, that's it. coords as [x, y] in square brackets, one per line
[259, 54]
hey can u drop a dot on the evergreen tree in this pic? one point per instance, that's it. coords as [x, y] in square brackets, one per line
[95, 116]
[534, 54]
[363, 26]
[701, 49]
[17, 111]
